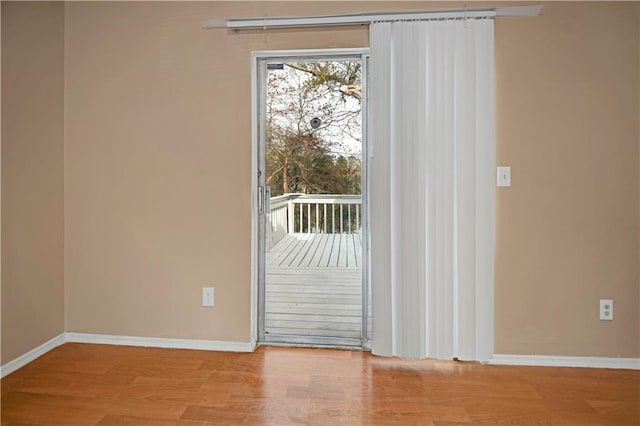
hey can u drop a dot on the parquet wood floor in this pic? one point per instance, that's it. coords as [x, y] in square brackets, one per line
[81, 384]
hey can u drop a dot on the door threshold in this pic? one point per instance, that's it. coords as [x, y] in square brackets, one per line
[314, 346]
[313, 341]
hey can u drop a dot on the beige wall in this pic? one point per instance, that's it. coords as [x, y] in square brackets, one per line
[32, 175]
[158, 166]
[567, 234]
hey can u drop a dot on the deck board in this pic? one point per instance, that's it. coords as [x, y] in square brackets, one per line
[321, 245]
[317, 250]
[314, 286]
[326, 254]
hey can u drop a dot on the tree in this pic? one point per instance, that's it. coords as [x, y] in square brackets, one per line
[344, 77]
[306, 158]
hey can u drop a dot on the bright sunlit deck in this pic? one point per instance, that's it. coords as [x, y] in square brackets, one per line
[314, 279]
[317, 250]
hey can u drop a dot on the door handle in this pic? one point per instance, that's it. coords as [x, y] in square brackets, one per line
[260, 200]
[267, 199]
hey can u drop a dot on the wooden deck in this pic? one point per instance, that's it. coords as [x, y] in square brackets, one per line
[317, 251]
[314, 286]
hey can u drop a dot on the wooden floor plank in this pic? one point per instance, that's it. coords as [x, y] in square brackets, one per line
[278, 386]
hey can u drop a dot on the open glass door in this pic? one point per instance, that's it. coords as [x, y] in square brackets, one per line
[313, 225]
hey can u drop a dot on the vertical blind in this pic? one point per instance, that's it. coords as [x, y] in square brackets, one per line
[432, 193]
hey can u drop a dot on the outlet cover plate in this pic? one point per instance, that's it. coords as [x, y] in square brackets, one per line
[606, 309]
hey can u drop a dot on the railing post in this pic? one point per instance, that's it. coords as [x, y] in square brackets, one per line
[333, 218]
[290, 218]
[325, 218]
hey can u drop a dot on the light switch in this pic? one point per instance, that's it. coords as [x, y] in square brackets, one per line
[504, 176]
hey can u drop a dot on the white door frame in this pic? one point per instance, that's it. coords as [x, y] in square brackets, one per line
[255, 141]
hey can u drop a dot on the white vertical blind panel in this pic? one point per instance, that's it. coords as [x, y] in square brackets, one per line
[432, 162]
[408, 187]
[485, 190]
[475, 191]
[380, 199]
[465, 189]
[432, 189]
[440, 185]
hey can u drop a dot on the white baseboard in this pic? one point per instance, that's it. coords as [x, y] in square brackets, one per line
[152, 342]
[159, 342]
[566, 361]
[25, 359]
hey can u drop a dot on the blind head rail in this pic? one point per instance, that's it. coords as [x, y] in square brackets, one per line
[368, 18]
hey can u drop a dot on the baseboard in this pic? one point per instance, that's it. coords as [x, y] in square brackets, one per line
[151, 342]
[25, 359]
[566, 361]
[158, 342]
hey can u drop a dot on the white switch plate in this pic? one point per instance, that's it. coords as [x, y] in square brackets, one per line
[207, 296]
[606, 309]
[504, 176]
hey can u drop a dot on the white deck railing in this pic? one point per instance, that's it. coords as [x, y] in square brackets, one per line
[312, 213]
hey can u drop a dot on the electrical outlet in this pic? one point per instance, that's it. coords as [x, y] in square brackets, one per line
[207, 296]
[606, 309]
